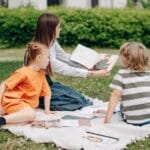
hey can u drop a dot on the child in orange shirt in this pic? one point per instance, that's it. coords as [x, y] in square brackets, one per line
[19, 94]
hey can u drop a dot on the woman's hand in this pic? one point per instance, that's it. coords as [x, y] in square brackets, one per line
[99, 73]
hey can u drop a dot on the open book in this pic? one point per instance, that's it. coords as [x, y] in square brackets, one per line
[90, 59]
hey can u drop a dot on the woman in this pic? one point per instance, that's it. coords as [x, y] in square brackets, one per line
[63, 97]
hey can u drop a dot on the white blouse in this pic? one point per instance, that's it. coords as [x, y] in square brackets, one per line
[60, 62]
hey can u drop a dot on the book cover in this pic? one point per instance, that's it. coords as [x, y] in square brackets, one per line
[107, 61]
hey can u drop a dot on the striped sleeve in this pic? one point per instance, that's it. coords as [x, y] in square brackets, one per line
[117, 82]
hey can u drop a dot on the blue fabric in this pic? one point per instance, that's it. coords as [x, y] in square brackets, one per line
[65, 98]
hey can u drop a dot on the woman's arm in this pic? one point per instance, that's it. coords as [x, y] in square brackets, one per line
[98, 73]
[65, 69]
[60, 64]
[60, 53]
[115, 97]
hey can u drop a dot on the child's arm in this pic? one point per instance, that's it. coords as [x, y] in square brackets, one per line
[115, 97]
[2, 90]
[47, 104]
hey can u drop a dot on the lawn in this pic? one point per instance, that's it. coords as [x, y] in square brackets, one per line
[94, 87]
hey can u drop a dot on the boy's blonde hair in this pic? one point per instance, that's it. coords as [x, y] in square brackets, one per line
[134, 56]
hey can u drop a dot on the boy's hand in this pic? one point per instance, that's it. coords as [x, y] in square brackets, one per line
[49, 112]
[106, 120]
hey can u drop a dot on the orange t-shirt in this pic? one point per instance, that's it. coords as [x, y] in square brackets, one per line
[24, 87]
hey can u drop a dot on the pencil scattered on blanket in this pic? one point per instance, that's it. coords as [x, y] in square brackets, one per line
[103, 135]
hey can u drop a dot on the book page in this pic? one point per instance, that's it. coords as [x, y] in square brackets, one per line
[85, 56]
[107, 61]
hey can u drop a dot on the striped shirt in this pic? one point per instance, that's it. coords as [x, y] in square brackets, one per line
[135, 100]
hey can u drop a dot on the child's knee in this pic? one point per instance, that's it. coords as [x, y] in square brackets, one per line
[30, 113]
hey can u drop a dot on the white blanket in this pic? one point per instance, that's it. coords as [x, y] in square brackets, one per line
[76, 137]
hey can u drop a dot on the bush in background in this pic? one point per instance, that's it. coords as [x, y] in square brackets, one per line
[17, 26]
[139, 3]
[92, 27]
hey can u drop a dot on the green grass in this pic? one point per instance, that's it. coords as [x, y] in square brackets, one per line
[12, 54]
[94, 87]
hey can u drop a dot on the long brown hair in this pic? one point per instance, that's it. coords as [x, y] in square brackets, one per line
[46, 32]
[46, 28]
[134, 56]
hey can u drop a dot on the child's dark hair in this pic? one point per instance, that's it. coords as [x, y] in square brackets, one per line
[134, 56]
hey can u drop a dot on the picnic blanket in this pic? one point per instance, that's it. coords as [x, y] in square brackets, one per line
[95, 135]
